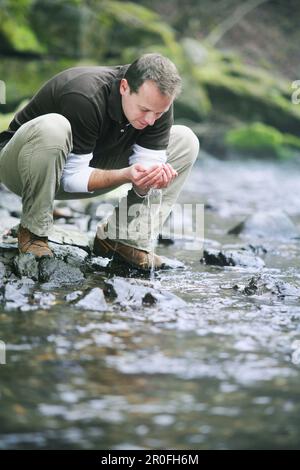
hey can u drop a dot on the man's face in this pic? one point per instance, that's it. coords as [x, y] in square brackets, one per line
[143, 108]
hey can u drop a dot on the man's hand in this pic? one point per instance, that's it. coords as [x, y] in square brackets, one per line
[168, 175]
[157, 176]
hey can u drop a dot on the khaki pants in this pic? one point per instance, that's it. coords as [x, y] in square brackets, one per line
[31, 165]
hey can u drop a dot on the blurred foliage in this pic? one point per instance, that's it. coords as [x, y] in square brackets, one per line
[39, 38]
[16, 33]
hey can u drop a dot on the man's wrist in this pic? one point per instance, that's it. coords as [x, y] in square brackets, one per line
[125, 172]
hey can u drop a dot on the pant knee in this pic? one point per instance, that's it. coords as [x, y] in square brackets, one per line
[187, 140]
[54, 130]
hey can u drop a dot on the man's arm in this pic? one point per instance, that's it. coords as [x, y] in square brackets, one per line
[142, 178]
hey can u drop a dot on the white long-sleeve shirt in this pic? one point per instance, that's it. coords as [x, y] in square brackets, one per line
[77, 172]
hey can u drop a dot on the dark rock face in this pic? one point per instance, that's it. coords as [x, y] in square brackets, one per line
[94, 300]
[58, 273]
[267, 285]
[231, 258]
[275, 225]
[129, 292]
[26, 265]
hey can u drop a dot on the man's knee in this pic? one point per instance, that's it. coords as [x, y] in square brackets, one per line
[54, 130]
[187, 141]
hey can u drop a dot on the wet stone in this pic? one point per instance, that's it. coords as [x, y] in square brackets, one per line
[2, 271]
[130, 293]
[69, 235]
[268, 285]
[231, 258]
[25, 264]
[94, 300]
[258, 250]
[273, 225]
[73, 296]
[16, 295]
[8, 251]
[43, 300]
[97, 263]
[58, 273]
[171, 263]
[69, 254]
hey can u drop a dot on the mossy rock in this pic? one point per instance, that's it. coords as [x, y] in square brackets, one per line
[16, 33]
[246, 92]
[262, 140]
[24, 77]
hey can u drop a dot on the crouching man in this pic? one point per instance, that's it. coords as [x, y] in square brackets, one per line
[89, 130]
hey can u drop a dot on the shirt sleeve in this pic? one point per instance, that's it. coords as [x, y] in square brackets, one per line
[147, 157]
[85, 120]
[76, 173]
[157, 137]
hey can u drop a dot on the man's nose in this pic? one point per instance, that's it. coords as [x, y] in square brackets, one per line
[150, 119]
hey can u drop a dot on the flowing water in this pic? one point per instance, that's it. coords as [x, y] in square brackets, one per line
[221, 373]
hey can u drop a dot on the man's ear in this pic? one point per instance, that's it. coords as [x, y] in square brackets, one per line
[124, 87]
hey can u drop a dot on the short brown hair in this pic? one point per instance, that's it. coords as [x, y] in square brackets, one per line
[157, 68]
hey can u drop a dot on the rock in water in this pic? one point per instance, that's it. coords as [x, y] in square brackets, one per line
[274, 225]
[25, 264]
[264, 284]
[69, 236]
[130, 293]
[94, 300]
[58, 273]
[231, 258]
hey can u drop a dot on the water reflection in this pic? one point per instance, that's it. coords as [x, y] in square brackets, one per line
[221, 372]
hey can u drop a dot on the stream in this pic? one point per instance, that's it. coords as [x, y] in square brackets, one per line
[221, 372]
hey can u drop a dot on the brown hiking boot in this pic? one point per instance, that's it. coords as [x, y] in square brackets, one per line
[138, 258]
[28, 242]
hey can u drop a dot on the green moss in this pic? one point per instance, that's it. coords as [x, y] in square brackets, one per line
[260, 139]
[15, 27]
[248, 93]
[24, 78]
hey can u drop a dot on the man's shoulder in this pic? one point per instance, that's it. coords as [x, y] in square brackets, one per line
[86, 80]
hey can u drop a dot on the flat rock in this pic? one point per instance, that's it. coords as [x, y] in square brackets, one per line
[128, 292]
[268, 285]
[69, 254]
[69, 235]
[274, 225]
[231, 258]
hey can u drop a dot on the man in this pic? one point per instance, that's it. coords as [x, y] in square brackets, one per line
[89, 130]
